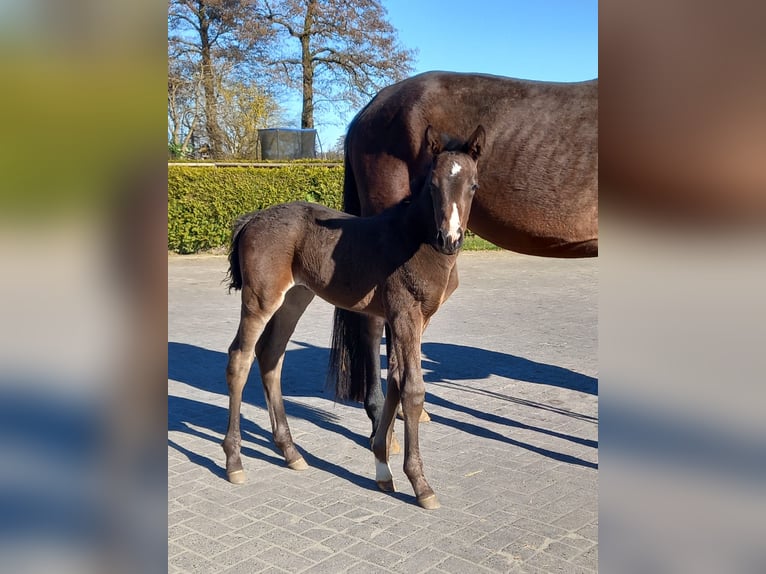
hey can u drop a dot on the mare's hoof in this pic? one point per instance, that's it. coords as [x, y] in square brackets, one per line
[429, 502]
[395, 447]
[236, 476]
[386, 485]
[424, 416]
[298, 464]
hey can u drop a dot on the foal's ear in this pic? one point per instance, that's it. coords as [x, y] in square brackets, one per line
[476, 142]
[433, 141]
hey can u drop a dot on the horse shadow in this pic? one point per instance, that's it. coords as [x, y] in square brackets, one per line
[442, 361]
[204, 369]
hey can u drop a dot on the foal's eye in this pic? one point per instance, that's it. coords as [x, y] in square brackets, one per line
[474, 187]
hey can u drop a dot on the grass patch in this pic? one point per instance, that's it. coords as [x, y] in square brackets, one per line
[475, 243]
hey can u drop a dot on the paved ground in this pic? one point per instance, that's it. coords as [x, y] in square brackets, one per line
[512, 451]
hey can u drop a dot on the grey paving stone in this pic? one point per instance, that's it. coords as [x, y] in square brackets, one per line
[457, 565]
[191, 562]
[338, 562]
[201, 544]
[511, 450]
[374, 554]
[248, 566]
[588, 559]
[420, 561]
[284, 559]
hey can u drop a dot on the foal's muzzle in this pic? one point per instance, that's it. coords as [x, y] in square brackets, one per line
[447, 244]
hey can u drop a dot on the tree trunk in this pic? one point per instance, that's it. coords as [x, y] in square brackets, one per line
[307, 113]
[215, 139]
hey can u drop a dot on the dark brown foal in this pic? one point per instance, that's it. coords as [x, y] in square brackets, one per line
[395, 266]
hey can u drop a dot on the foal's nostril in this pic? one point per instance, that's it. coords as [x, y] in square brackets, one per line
[441, 240]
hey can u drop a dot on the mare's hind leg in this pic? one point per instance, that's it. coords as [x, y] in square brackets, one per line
[270, 351]
[370, 333]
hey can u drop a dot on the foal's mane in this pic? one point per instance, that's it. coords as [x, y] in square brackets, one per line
[450, 143]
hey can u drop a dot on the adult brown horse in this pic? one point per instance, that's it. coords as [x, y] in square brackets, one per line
[539, 190]
[395, 266]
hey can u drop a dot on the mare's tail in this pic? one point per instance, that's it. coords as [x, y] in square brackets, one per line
[346, 368]
[234, 275]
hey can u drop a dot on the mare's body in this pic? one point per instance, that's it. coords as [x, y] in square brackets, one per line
[539, 180]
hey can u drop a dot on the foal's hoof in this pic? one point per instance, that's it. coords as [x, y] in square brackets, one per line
[236, 476]
[429, 502]
[298, 464]
[386, 485]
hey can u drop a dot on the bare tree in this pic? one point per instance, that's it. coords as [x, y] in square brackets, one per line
[244, 108]
[337, 51]
[184, 97]
[210, 32]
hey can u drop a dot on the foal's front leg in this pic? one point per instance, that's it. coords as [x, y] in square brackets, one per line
[406, 332]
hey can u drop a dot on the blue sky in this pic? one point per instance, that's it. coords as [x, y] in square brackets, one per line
[554, 40]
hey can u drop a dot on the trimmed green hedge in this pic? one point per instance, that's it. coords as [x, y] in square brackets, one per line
[204, 201]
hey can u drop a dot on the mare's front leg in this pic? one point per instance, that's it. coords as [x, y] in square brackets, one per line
[406, 329]
[270, 351]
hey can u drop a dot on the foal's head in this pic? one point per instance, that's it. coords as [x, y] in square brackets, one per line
[452, 184]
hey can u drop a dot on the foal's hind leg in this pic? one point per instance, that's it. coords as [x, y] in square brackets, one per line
[270, 351]
[240, 360]
[255, 315]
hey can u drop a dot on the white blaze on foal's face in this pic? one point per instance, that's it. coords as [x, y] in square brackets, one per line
[454, 222]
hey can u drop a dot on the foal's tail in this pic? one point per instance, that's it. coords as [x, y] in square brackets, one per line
[346, 368]
[234, 275]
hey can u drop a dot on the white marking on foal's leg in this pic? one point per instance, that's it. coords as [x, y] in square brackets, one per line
[455, 168]
[454, 224]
